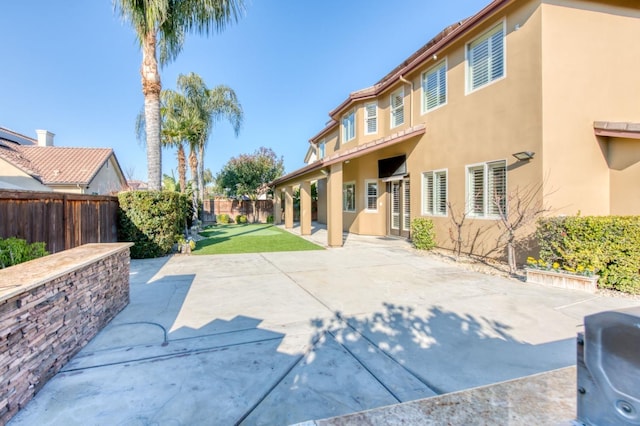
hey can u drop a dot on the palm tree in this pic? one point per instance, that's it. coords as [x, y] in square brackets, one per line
[162, 24]
[173, 130]
[210, 106]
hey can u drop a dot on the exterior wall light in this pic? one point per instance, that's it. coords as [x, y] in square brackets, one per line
[524, 155]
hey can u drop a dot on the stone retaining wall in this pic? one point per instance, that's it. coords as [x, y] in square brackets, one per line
[49, 309]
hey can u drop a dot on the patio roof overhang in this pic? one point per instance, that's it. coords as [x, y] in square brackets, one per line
[613, 129]
[352, 153]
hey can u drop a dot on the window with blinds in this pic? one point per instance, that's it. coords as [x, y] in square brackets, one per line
[487, 189]
[348, 126]
[371, 118]
[434, 193]
[397, 108]
[406, 205]
[349, 197]
[486, 59]
[371, 195]
[434, 87]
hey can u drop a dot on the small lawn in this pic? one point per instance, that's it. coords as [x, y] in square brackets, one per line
[250, 238]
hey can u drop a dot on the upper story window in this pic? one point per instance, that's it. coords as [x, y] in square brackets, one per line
[397, 108]
[349, 126]
[434, 87]
[434, 193]
[321, 151]
[486, 58]
[487, 189]
[371, 118]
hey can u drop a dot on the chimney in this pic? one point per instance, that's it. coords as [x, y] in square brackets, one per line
[45, 137]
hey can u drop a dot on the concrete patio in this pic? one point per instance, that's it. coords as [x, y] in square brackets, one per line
[282, 338]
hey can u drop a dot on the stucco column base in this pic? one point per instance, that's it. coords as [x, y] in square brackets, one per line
[334, 206]
[277, 206]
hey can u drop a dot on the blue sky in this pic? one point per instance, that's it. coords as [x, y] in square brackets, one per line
[72, 67]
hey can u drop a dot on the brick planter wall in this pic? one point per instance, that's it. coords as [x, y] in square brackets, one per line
[49, 309]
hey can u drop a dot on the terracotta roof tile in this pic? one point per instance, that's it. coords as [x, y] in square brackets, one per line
[57, 165]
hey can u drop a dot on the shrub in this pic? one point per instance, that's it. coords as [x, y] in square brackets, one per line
[608, 244]
[152, 220]
[270, 218]
[15, 250]
[223, 218]
[422, 234]
[241, 218]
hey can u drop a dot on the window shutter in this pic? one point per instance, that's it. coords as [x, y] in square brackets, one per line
[441, 193]
[406, 206]
[397, 108]
[476, 188]
[372, 195]
[435, 87]
[371, 111]
[497, 188]
[427, 195]
[479, 63]
[497, 55]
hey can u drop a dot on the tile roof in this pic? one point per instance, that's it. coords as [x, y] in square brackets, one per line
[617, 129]
[56, 165]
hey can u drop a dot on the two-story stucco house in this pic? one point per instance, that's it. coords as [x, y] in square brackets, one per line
[38, 165]
[554, 83]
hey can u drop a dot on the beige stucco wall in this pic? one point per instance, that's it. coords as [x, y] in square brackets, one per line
[16, 177]
[108, 180]
[590, 70]
[624, 163]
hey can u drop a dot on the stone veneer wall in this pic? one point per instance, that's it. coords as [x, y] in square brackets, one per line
[49, 309]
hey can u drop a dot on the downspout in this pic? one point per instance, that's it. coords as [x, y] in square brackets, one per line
[404, 80]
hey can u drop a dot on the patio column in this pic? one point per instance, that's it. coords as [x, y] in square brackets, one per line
[334, 206]
[288, 207]
[277, 206]
[305, 208]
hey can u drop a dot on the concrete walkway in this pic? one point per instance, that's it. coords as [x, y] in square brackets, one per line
[280, 338]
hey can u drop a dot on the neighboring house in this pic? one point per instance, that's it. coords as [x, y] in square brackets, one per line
[553, 82]
[37, 165]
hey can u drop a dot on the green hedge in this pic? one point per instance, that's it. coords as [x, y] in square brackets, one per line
[241, 218]
[153, 220]
[423, 235]
[15, 250]
[223, 218]
[610, 244]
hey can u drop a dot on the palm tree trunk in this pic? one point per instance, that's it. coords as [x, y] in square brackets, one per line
[151, 87]
[182, 168]
[201, 171]
[193, 165]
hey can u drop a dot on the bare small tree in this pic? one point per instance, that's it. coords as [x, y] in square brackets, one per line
[517, 209]
[455, 232]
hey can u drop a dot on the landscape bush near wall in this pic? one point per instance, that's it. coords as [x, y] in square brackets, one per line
[152, 220]
[610, 244]
[15, 250]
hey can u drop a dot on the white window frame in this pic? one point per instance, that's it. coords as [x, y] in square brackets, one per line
[352, 127]
[367, 197]
[368, 117]
[435, 193]
[501, 27]
[345, 189]
[321, 152]
[436, 70]
[393, 110]
[486, 182]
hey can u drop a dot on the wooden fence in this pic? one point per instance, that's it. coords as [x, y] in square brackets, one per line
[212, 208]
[62, 221]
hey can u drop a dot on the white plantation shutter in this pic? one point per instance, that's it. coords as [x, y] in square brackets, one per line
[496, 188]
[434, 87]
[476, 190]
[372, 195]
[486, 58]
[371, 118]
[440, 193]
[427, 193]
[406, 205]
[397, 108]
